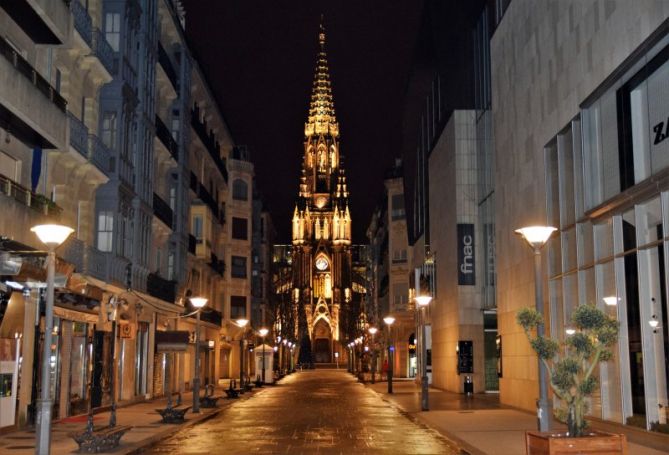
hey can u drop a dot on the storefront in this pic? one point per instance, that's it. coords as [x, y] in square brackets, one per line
[608, 191]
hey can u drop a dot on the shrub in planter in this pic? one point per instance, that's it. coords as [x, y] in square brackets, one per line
[571, 364]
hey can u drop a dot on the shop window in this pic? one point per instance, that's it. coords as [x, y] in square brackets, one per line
[240, 228]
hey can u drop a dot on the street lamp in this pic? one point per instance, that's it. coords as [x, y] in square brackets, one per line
[536, 237]
[241, 323]
[263, 333]
[423, 300]
[52, 235]
[373, 331]
[198, 303]
[389, 320]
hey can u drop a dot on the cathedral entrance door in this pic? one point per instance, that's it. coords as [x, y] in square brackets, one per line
[322, 350]
[322, 342]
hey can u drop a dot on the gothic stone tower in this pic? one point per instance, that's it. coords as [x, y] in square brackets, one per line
[321, 226]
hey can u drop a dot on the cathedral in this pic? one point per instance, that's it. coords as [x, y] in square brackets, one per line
[321, 225]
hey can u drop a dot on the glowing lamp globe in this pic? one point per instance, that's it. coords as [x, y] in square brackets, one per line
[423, 299]
[52, 234]
[198, 302]
[263, 332]
[373, 330]
[242, 322]
[611, 300]
[389, 320]
[536, 236]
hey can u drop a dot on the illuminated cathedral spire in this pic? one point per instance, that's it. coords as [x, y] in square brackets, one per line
[321, 119]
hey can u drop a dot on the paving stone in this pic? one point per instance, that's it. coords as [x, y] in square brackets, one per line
[320, 411]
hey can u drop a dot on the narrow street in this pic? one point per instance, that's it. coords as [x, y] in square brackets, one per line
[317, 411]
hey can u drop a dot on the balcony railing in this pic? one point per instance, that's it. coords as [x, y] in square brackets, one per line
[95, 263]
[23, 67]
[21, 194]
[209, 141]
[217, 265]
[161, 288]
[82, 21]
[73, 252]
[163, 211]
[163, 133]
[192, 244]
[99, 154]
[78, 135]
[166, 63]
[103, 51]
[211, 316]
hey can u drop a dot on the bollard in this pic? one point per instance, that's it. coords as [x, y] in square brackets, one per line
[469, 386]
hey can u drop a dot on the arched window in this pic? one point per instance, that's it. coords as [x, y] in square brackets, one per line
[240, 190]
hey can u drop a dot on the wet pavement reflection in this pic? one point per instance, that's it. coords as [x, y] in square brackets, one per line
[317, 411]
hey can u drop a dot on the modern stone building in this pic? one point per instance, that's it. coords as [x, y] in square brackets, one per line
[579, 105]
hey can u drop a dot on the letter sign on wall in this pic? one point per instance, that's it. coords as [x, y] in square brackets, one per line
[466, 264]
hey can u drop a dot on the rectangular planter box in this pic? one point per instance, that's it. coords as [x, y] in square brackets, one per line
[553, 443]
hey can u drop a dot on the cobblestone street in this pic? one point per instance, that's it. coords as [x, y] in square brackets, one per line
[318, 411]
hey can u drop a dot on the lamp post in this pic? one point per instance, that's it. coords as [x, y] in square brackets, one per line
[241, 323]
[198, 303]
[423, 300]
[389, 320]
[536, 237]
[373, 331]
[263, 333]
[52, 235]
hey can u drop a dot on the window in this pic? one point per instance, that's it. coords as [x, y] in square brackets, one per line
[400, 255]
[400, 295]
[237, 307]
[170, 266]
[109, 129]
[113, 29]
[197, 227]
[238, 267]
[9, 167]
[240, 190]
[105, 231]
[240, 228]
[397, 211]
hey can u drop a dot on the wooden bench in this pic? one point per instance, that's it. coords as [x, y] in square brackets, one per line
[209, 400]
[233, 391]
[173, 414]
[101, 439]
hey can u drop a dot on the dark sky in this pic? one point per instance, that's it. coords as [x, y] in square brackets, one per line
[259, 58]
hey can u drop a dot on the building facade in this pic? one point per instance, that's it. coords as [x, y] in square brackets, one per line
[580, 114]
[109, 127]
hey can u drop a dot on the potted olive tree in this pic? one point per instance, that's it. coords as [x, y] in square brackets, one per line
[571, 367]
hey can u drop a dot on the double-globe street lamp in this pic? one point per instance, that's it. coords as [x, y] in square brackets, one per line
[263, 333]
[389, 320]
[423, 300]
[198, 303]
[52, 235]
[536, 237]
[242, 323]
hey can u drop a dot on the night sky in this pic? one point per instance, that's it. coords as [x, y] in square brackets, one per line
[259, 58]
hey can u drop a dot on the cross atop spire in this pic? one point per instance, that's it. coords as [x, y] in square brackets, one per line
[321, 119]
